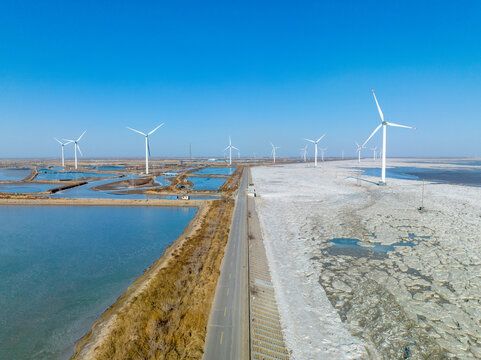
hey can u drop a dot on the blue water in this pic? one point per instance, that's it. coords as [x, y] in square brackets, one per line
[61, 267]
[206, 183]
[352, 247]
[465, 162]
[162, 180]
[216, 171]
[47, 174]
[461, 176]
[13, 174]
[85, 192]
[391, 172]
[24, 188]
[111, 168]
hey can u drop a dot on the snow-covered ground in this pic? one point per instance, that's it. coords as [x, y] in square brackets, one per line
[420, 299]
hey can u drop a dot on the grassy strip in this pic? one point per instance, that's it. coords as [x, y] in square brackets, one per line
[168, 319]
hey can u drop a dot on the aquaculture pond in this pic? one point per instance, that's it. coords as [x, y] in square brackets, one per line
[216, 171]
[64, 266]
[13, 174]
[48, 174]
[23, 188]
[86, 192]
[109, 168]
[206, 183]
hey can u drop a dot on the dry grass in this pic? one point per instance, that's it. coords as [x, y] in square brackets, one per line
[168, 318]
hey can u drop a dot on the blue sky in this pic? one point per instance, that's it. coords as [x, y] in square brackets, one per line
[258, 71]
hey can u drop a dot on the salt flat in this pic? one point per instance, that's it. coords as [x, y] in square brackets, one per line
[420, 299]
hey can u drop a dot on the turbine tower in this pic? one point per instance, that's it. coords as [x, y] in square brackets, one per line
[77, 147]
[62, 144]
[273, 152]
[384, 124]
[322, 153]
[359, 148]
[147, 145]
[230, 147]
[315, 142]
[374, 152]
[304, 153]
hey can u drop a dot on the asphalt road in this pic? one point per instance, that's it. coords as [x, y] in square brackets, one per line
[228, 328]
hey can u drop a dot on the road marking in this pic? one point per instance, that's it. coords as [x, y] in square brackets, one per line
[230, 275]
[225, 309]
[221, 336]
[227, 291]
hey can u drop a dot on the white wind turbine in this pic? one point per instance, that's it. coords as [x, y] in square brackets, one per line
[230, 147]
[384, 124]
[273, 151]
[62, 144]
[374, 152]
[358, 151]
[77, 147]
[315, 148]
[304, 153]
[322, 153]
[147, 145]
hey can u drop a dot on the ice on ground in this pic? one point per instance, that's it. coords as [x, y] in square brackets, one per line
[417, 301]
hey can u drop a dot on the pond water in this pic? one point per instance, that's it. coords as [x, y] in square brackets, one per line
[13, 174]
[162, 180]
[61, 267]
[48, 174]
[111, 168]
[206, 183]
[216, 171]
[85, 192]
[23, 188]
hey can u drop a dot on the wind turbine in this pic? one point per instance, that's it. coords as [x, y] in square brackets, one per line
[315, 148]
[62, 144]
[358, 151]
[230, 147]
[322, 153]
[304, 153]
[76, 146]
[273, 152]
[384, 124]
[147, 146]
[374, 152]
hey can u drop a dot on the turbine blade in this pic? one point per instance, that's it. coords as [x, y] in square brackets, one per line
[155, 129]
[81, 135]
[80, 151]
[57, 140]
[235, 148]
[403, 126]
[137, 131]
[320, 138]
[378, 107]
[312, 141]
[355, 142]
[70, 141]
[227, 148]
[369, 138]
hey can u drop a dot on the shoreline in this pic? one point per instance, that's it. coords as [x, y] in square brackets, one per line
[105, 323]
[167, 307]
[409, 268]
